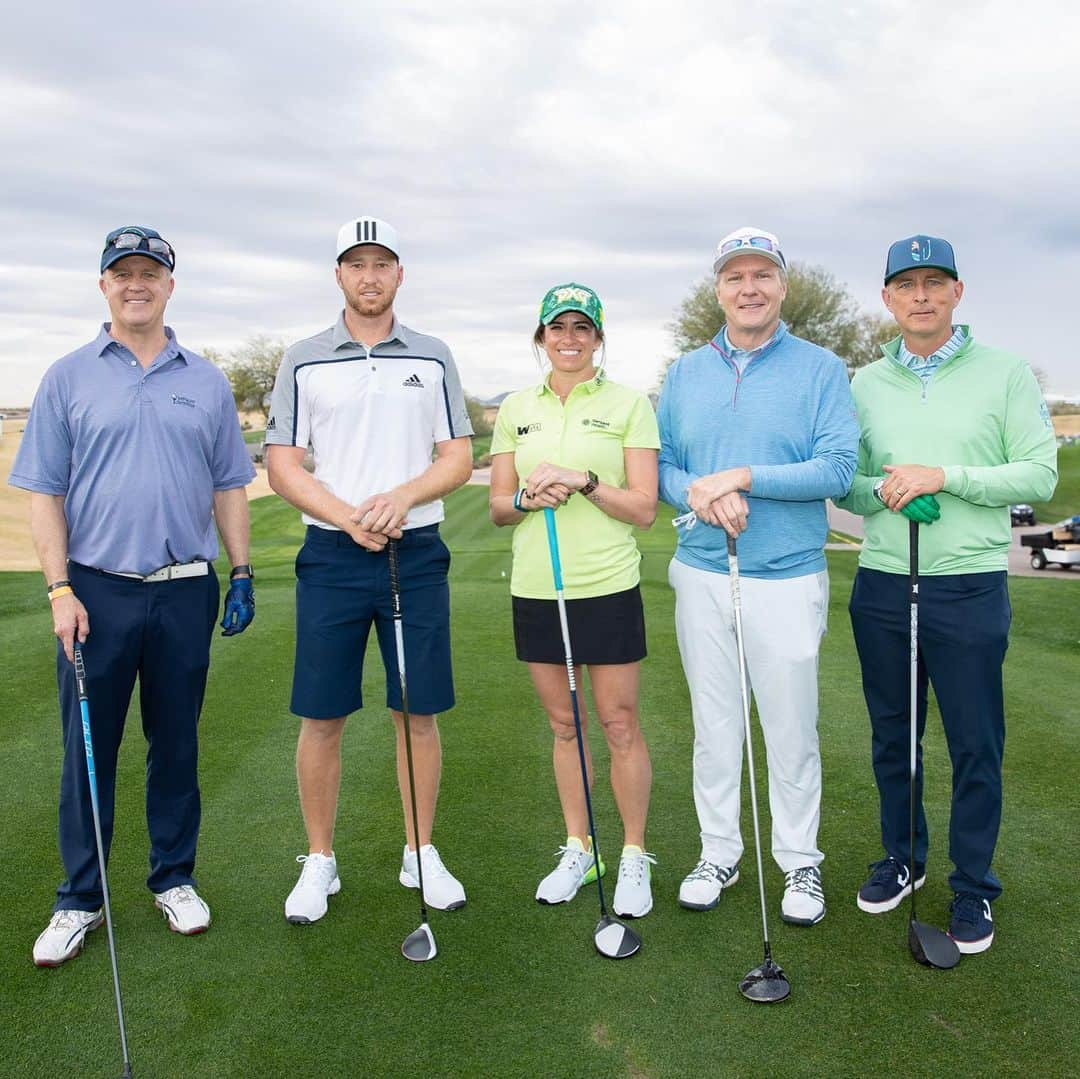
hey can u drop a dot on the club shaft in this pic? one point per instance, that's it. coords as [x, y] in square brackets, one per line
[560, 599]
[399, 639]
[744, 692]
[913, 701]
[91, 775]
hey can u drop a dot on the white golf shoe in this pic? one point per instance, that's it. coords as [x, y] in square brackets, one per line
[442, 890]
[576, 867]
[183, 909]
[633, 890]
[62, 939]
[804, 901]
[701, 888]
[318, 880]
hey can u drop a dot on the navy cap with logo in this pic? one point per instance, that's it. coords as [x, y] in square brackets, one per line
[137, 240]
[920, 252]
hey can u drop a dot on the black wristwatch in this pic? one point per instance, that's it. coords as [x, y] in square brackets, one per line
[237, 570]
[591, 486]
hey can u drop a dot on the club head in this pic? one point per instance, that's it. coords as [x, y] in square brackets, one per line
[766, 984]
[419, 945]
[615, 940]
[931, 946]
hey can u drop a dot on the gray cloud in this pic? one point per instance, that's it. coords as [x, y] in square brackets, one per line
[519, 147]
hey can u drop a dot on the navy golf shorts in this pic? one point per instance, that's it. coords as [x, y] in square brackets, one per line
[341, 590]
[603, 629]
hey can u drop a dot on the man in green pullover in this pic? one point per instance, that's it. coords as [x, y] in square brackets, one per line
[952, 432]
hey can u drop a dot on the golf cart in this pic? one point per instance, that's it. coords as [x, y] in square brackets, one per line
[1060, 546]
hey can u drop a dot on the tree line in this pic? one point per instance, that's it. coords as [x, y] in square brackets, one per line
[817, 307]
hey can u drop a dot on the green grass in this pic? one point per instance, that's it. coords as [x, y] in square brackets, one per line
[517, 989]
[1066, 500]
[254, 438]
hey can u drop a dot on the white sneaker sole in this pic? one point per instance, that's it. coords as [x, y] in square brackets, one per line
[687, 905]
[549, 902]
[174, 928]
[409, 881]
[888, 904]
[633, 913]
[972, 947]
[791, 920]
[303, 919]
[76, 948]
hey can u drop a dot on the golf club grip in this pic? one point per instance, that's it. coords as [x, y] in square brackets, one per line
[80, 672]
[395, 584]
[553, 547]
[913, 557]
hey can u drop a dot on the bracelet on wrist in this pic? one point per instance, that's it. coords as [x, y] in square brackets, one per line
[56, 591]
[518, 496]
[63, 582]
[244, 570]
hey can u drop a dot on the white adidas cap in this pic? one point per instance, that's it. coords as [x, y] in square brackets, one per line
[367, 230]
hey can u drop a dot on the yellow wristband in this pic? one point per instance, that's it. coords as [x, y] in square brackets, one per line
[63, 590]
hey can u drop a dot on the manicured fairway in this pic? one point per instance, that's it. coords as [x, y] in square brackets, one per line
[517, 990]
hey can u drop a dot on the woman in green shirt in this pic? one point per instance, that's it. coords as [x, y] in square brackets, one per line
[587, 448]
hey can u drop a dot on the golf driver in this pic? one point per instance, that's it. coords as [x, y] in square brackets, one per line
[419, 945]
[766, 984]
[930, 946]
[611, 937]
[91, 775]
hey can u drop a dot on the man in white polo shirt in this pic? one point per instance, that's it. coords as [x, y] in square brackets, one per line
[382, 408]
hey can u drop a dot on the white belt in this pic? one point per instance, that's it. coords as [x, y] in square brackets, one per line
[170, 573]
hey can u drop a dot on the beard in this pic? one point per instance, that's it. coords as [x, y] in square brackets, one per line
[370, 308]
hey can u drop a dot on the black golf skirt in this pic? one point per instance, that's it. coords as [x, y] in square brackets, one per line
[603, 629]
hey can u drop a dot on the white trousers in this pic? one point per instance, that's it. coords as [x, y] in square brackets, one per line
[783, 623]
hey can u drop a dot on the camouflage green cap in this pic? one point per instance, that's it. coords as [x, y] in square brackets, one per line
[572, 297]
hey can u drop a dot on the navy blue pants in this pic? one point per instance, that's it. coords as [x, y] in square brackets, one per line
[963, 634]
[161, 634]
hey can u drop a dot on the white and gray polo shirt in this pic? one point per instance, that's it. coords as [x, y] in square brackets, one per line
[371, 416]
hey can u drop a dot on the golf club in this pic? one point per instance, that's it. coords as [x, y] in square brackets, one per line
[929, 946]
[766, 984]
[419, 945]
[611, 937]
[91, 774]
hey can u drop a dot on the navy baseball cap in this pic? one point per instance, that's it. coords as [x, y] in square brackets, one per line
[137, 240]
[920, 252]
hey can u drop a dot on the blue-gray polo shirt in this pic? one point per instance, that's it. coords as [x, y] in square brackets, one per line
[137, 454]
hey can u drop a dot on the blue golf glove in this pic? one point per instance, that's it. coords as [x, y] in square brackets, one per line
[925, 510]
[239, 606]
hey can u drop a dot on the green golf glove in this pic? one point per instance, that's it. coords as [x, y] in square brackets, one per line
[924, 510]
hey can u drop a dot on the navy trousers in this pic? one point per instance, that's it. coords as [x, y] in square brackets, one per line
[159, 633]
[963, 634]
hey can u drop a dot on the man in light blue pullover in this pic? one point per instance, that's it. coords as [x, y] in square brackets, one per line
[757, 429]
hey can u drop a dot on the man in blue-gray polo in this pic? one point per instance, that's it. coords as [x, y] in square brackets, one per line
[131, 453]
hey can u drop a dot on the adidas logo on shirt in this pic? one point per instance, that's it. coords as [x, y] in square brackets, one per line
[413, 380]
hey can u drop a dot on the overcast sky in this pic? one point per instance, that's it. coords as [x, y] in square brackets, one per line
[516, 146]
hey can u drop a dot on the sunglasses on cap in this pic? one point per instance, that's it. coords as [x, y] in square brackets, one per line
[135, 241]
[761, 243]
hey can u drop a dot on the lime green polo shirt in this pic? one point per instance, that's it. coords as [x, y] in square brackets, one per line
[599, 420]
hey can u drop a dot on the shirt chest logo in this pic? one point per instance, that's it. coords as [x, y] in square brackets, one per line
[602, 424]
[413, 382]
[179, 399]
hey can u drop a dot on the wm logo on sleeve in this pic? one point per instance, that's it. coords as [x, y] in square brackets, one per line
[527, 429]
